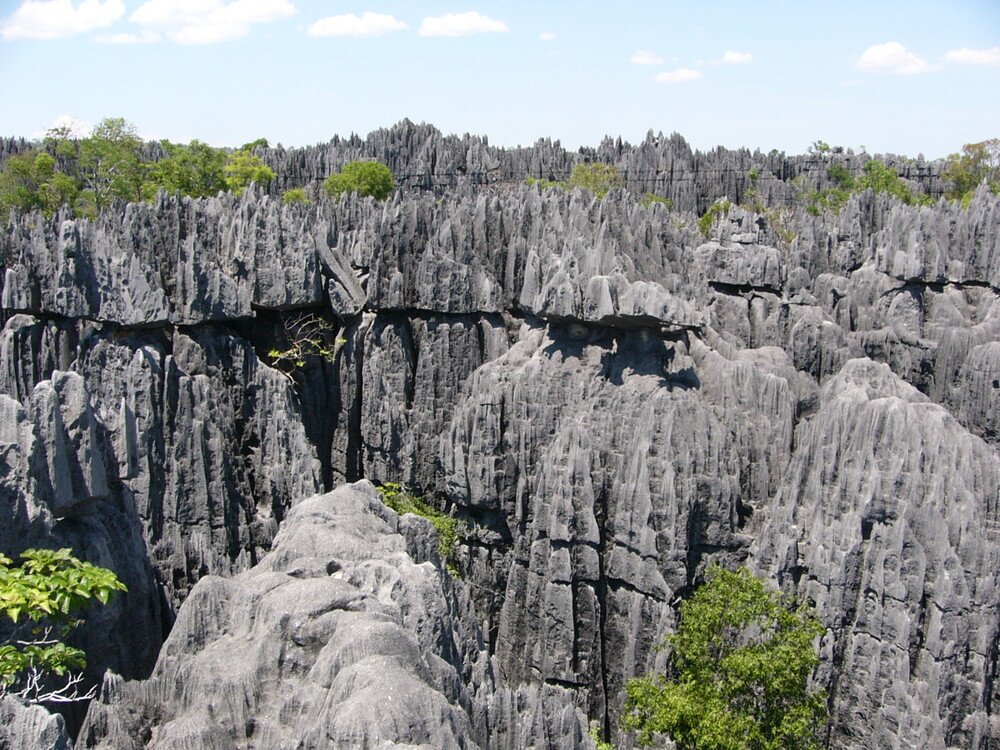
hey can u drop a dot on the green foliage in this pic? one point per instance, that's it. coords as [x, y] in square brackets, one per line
[309, 335]
[598, 178]
[833, 199]
[754, 175]
[111, 165]
[820, 148]
[594, 732]
[718, 209]
[841, 175]
[966, 171]
[883, 179]
[449, 530]
[740, 663]
[253, 145]
[545, 184]
[295, 195]
[245, 168]
[42, 596]
[31, 181]
[650, 198]
[196, 169]
[362, 177]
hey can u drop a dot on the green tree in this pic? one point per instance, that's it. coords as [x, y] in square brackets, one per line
[977, 162]
[244, 168]
[42, 596]
[361, 177]
[295, 195]
[598, 178]
[740, 663]
[259, 143]
[196, 169]
[111, 163]
[30, 181]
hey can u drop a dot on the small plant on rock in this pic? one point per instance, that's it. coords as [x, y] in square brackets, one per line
[449, 529]
[309, 335]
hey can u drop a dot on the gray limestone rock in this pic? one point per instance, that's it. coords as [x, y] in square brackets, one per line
[608, 400]
[23, 727]
[345, 639]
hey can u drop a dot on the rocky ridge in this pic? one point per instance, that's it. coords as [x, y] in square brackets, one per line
[608, 399]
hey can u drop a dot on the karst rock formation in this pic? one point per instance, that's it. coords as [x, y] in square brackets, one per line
[609, 400]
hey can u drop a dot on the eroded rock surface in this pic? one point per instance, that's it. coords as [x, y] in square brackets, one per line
[608, 398]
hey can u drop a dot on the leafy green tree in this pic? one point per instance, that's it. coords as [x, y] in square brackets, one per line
[598, 178]
[361, 177]
[977, 162]
[42, 597]
[30, 181]
[196, 169]
[259, 143]
[245, 168]
[740, 663]
[111, 163]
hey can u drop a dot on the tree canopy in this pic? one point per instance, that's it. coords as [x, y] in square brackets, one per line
[739, 671]
[361, 177]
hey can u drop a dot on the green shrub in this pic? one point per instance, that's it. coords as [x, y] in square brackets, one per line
[449, 530]
[965, 171]
[598, 178]
[650, 198]
[245, 168]
[42, 596]
[295, 195]
[362, 177]
[740, 664]
[841, 176]
[718, 209]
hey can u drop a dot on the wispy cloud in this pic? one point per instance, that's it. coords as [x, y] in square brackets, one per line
[546, 36]
[53, 19]
[966, 56]
[208, 21]
[736, 58]
[461, 24]
[680, 75]
[642, 57]
[892, 58]
[366, 25]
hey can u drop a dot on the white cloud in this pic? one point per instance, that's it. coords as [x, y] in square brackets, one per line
[891, 57]
[367, 25]
[77, 128]
[460, 24]
[146, 37]
[51, 19]
[966, 56]
[736, 58]
[641, 57]
[680, 75]
[208, 21]
[546, 36]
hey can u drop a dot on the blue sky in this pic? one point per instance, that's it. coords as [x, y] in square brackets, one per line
[902, 77]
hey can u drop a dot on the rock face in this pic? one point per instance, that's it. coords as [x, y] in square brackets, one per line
[348, 634]
[609, 399]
